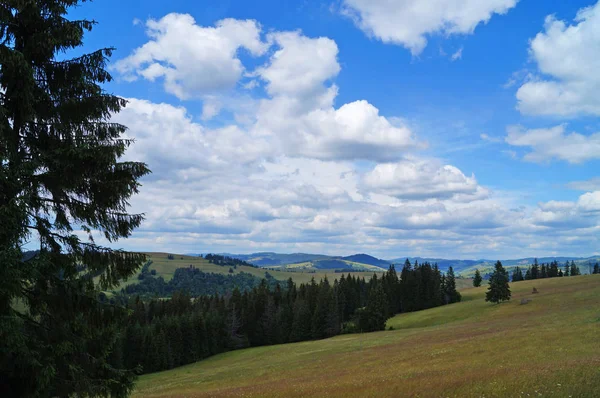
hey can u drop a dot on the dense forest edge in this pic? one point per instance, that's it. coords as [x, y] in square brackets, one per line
[162, 334]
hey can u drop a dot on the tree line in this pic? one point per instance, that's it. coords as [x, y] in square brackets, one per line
[545, 270]
[539, 271]
[195, 282]
[162, 334]
[226, 261]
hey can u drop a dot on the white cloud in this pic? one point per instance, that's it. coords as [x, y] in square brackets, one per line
[409, 22]
[193, 60]
[584, 213]
[301, 113]
[285, 174]
[589, 202]
[300, 65]
[457, 55]
[568, 56]
[414, 179]
[554, 143]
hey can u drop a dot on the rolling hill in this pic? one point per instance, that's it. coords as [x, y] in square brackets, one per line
[166, 267]
[548, 347]
[465, 268]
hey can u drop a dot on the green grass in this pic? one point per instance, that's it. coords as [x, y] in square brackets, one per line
[166, 268]
[310, 266]
[549, 347]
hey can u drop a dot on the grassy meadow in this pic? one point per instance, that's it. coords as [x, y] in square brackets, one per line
[549, 347]
[166, 268]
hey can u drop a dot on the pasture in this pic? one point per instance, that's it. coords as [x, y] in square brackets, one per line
[549, 347]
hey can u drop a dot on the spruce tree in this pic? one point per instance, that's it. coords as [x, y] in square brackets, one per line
[373, 316]
[60, 170]
[477, 279]
[498, 289]
[517, 275]
[452, 295]
[574, 269]
[596, 268]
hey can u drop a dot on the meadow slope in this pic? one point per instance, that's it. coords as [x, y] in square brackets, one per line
[166, 268]
[549, 347]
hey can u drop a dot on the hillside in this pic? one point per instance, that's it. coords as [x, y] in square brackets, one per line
[268, 259]
[366, 259]
[548, 347]
[166, 268]
[465, 268]
[485, 267]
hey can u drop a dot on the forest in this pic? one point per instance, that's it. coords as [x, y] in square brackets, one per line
[548, 270]
[162, 334]
[194, 282]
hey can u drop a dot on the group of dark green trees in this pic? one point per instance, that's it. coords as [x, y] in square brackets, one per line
[498, 289]
[163, 334]
[195, 282]
[549, 270]
[539, 271]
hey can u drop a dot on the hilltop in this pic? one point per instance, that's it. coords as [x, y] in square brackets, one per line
[468, 349]
[165, 265]
[465, 268]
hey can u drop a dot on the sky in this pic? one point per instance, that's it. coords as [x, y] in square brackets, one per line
[435, 128]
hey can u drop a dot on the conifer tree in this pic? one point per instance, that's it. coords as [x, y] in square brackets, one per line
[596, 268]
[567, 269]
[535, 270]
[60, 170]
[498, 289]
[373, 316]
[517, 275]
[477, 279]
[452, 295]
[574, 269]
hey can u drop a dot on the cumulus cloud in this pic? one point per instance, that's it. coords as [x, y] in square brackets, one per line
[167, 136]
[409, 22]
[300, 65]
[554, 143]
[421, 180]
[583, 213]
[301, 112]
[566, 57]
[293, 171]
[191, 59]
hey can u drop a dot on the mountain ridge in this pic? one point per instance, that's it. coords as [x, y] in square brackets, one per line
[367, 261]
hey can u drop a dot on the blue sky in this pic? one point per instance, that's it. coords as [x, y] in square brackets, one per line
[448, 128]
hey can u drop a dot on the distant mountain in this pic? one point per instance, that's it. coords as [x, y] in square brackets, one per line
[442, 263]
[268, 259]
[366, 259]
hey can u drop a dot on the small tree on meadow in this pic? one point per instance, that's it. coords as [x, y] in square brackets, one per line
[596, 269]
[477, 279]
[498, 289]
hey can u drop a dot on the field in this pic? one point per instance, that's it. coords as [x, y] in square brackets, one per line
[314, 265]
[549, 347]
[166, 268]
